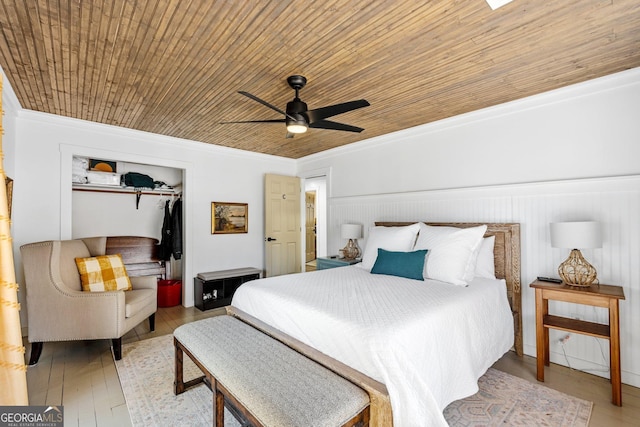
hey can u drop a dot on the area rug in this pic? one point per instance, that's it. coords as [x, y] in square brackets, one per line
[506, 400]
[146, 372]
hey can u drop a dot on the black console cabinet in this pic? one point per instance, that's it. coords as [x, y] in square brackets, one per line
[215, 288]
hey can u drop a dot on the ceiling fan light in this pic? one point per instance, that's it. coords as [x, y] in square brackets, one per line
[297, 127]
[296, 122]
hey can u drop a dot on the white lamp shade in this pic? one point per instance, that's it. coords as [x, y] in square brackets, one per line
[576, 235]
[351, 231]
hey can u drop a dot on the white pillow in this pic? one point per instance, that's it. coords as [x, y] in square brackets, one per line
[398, 239]
[451, 252]
[485, 266]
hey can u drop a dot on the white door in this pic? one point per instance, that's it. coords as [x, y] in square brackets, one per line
[282, 225]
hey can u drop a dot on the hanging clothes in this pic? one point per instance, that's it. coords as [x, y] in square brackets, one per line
[166, 244]
[176, 228]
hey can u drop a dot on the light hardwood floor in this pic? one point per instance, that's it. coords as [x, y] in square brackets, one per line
[82, 377]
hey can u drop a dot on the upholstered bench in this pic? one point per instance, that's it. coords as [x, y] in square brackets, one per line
[263, 381]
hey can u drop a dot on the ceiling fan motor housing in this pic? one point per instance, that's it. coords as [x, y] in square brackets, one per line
[297, 109]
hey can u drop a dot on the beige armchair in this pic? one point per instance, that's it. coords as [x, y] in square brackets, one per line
[58, 309]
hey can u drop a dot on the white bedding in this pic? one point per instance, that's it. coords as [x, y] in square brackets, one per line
[428, 342]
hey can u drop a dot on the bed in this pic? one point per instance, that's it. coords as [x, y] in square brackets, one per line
[413, 348]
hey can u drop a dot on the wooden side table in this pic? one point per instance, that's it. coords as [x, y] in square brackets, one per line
[606, 296]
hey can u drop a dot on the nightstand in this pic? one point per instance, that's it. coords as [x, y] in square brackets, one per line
[322, 263]
[606, 296]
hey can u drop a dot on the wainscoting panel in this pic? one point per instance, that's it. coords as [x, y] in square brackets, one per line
[615, 202]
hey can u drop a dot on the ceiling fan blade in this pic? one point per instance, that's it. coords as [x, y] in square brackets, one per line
[265, 103]
[327, 124]
[256, 121]
[334, 110]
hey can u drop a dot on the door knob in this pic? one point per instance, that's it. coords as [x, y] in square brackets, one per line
[270, 239]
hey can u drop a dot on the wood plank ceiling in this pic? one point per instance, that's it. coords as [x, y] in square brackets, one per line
[173, 67]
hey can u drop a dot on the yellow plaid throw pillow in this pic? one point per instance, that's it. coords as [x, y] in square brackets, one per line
[103, 273]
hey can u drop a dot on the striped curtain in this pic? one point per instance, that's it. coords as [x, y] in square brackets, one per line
[13, 371]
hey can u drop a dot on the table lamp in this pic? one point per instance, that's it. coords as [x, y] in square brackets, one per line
[576, 271]
[351, 232]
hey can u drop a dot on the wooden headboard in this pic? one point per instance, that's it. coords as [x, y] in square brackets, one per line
[139, 254]
[506, 260]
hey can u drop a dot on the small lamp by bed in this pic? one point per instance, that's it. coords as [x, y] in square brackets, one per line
[352, 232]
[575, 270]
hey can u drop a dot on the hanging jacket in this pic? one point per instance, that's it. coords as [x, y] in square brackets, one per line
[166, 244]
[176, 228]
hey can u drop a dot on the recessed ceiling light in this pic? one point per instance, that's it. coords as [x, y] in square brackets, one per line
[494, 4]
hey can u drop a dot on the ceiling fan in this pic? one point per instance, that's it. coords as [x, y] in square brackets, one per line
[298, 118]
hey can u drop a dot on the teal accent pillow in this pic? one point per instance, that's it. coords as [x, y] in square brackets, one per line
[402, 264]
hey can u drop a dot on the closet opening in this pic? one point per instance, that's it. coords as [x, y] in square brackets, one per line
[106, 200]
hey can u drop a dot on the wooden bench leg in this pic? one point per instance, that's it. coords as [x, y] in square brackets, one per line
[178, 384]
[218, 408]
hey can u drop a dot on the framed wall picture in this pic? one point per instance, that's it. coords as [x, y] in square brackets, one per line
[229, 218]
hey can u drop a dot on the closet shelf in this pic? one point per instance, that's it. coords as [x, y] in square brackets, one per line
[122, 190]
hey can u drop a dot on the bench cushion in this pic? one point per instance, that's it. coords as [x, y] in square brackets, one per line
[276, 384]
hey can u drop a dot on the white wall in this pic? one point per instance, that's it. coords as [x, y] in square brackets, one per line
[43, 199]
[577, 147]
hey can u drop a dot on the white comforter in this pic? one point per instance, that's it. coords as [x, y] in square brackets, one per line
[428, 342]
